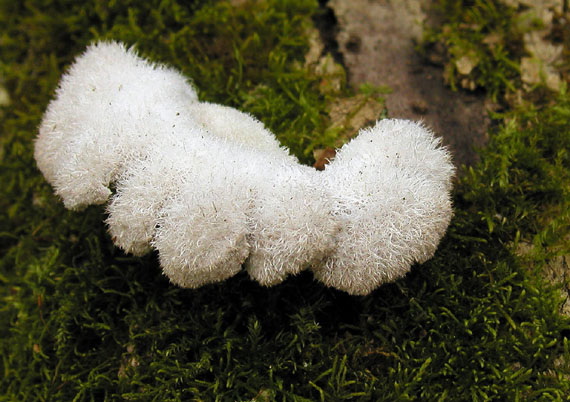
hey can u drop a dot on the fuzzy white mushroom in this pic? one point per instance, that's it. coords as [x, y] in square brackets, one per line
[212, 190]
[391, 189]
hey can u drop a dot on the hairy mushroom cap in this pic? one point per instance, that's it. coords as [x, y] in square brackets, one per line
[391, 189]
[212, 190]
[100, 116]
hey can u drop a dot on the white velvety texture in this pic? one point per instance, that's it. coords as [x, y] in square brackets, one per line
[213, 191]
[391, 189]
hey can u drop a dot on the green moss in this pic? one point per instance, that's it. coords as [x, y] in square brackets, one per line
[81, 321]
[485, 34]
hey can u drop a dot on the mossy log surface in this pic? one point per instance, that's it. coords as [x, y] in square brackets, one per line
[81, 321]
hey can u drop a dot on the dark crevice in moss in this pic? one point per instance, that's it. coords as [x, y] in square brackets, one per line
[326, 22]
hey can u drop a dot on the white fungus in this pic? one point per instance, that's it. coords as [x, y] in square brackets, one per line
[213, 191]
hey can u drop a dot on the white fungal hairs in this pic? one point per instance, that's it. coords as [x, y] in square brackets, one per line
[212, 190]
